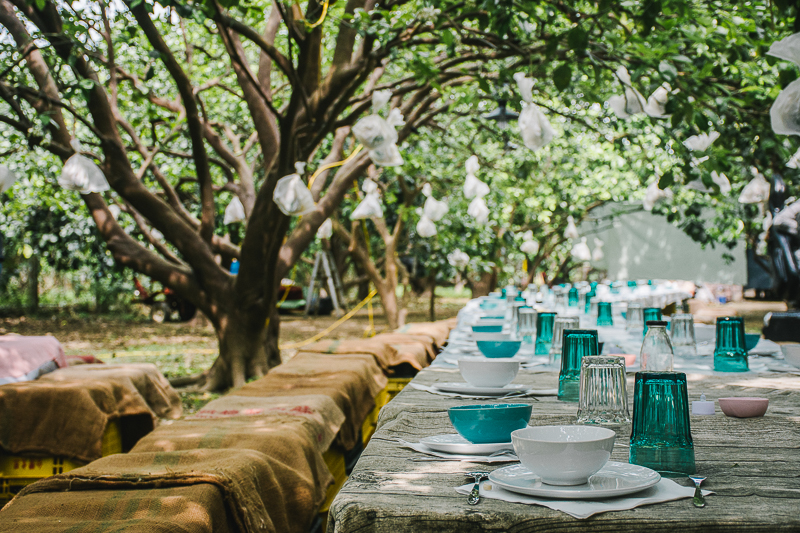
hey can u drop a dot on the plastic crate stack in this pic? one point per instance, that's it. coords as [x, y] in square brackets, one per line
[268, 456]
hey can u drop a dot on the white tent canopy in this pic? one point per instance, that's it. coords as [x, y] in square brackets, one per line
[641, 245]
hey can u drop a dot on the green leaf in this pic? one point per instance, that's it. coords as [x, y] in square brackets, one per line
[668, 71]
[155, 54]
[87, 85]
[666, 180]
[40, 4]
[562, 77]
[578, 39]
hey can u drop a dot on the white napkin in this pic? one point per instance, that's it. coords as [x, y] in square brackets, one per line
[509, 457]
[512, 394]
[664, 491]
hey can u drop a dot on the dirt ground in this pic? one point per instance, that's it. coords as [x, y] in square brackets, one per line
[181, 349]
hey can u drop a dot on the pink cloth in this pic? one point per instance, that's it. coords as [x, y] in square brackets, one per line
[27, 358]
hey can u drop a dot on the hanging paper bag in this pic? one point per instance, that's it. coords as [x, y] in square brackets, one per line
[374, 132]
[572, 230]
[581, 251]
[785, 111]
[756, 191]
[81, 174]
[370, 207]
[458, 259]
[234, 212]
[386, 156]
[325, 230]
[787, 48]
[292, 196]
[597, 254]
[478, 210]
[475, 188]
[7, 178]
[425, 227]
[535, 128]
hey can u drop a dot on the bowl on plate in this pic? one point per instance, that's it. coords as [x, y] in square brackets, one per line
[750, 340]
[791, 353]
[480, 328]
[489, 423]
[744, 407]
[563, 455]
[497, 345]
[488, 372]
[491, 318]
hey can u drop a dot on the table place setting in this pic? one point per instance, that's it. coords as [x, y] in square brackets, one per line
[454, 447]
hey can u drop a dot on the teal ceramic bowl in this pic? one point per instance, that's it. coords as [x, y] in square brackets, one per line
[482, 424]
[498, 348]
[750, 340]
[487, 329]
[492, 317]
[488, 305]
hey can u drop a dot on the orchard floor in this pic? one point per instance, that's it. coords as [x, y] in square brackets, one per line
[181, 349]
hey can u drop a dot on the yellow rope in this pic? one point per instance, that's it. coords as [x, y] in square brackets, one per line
[154, 353]
[370, 332]
[333, 326]
[322, 18]
[323, 168]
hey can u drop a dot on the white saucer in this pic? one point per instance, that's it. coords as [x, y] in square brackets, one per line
[466, 388]
[614, 479]
[455, 443]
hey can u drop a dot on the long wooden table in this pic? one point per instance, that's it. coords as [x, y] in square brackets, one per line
[753, 466]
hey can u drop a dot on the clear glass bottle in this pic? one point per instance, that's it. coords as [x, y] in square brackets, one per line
[656, 354]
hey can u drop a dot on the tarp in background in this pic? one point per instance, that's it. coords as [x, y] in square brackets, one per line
[27, 358]
[643, 245]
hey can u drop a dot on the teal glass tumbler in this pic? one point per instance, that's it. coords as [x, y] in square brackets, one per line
[650, 313]
[589, 295]
[730, 353]
[572, 297]
[604, 317]
[576, 344]
[661, 437]
[544, 332]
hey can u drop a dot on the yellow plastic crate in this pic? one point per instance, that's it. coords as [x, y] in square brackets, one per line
[396, 385]
[336, 464]
[18, 471]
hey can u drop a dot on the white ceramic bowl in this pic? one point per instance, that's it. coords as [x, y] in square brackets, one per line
[791, 353]
[488, 372]
[563, 455]
[491, 336]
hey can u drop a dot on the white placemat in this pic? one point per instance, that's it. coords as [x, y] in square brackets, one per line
[664, 491]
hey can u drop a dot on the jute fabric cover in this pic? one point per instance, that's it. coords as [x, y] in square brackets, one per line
[419, 347]
[385, 355]
[68, 419]
[312, 364]
[144, 379]
[350, 390]
[289, 442]
[192, 509]
[438, 331]
[321, 412]
[253, 485]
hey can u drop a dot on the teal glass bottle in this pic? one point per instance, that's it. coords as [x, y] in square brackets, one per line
[544, 332]
[589, 295]
[572, 297]
[576, 344]
[604, 317]
[650, 314]
[632, 284]
[661, 437]
[730, 353]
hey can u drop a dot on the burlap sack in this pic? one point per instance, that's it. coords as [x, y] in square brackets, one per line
[253, 485]
[143, 378]
[350, 390]
[193, 509]
[285, 439]
[384, 354]
[438, 331]
[68, 419]
[322, 413]
[311, 364]
[418, 349]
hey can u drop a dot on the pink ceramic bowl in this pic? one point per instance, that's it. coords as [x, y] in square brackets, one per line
[744, 407]
[630, 358]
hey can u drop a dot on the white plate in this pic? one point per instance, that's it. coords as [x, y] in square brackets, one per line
[614, 479]
[455, 443]
[466, 388]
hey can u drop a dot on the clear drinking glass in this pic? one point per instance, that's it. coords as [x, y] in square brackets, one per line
[577, 344]
[730, 353]
[544, 332]
[656, 354]
[603, 397]
[593, 306]
[526, 327]
[604, 316]
[561, 323]
[634, 317]
[561, 299]
[661, 437]
[684, 343]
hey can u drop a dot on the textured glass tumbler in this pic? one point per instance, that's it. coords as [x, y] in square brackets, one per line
[684, 342]
[661, 437]
[656, 354]
[634, 317]
[603, 396]
[730, 354]
[544, 333]
[650, 314]
[577, 344]
[526, 326]
[572, 297]
[589, 295]
[562, 323]
[604, 317]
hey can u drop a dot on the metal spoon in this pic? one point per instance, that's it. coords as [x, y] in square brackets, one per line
[475, 495]
[698, 500]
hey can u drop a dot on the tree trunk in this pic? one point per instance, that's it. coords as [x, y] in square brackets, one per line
[485, 284]
[432, 287]
[391, 311]
[33, 283]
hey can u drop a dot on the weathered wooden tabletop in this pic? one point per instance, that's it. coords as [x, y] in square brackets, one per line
[753, 466]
